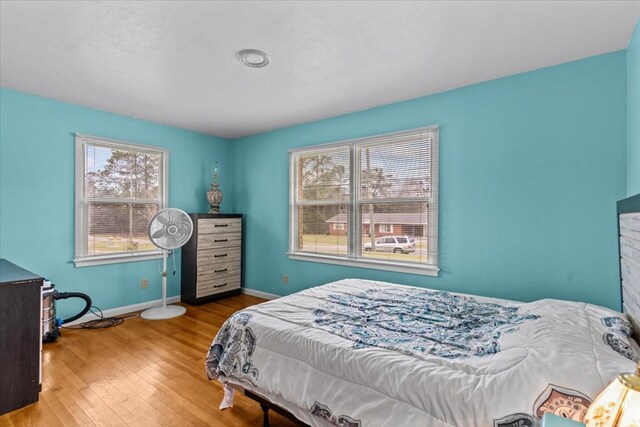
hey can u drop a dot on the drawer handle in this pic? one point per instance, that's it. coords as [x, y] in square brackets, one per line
[219, 256]
[222, 225]
[220, 271]
[220, 286]
[221, 240]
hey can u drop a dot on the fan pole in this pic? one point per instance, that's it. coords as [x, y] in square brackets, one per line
[164, 311]
[164, 279]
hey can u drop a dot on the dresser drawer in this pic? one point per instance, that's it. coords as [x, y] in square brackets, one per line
[224, 268]
[219, 241]
[219, 225]
[223, 284]
[215, 256]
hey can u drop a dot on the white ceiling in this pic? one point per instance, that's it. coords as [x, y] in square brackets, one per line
[174, 62]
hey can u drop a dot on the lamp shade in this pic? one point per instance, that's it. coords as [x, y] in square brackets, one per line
[618, 405]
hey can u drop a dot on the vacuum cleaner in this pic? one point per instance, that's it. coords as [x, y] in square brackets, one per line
[51, 324]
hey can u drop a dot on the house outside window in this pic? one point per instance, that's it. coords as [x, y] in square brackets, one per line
[388, 184]
[119, 187]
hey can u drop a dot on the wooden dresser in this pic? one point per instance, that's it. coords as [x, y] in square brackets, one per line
[20, 336]
[212, 258]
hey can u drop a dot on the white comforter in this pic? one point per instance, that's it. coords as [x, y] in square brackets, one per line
[364, 353]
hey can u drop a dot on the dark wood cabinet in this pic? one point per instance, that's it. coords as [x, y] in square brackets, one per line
[20, 336]
[212, 258]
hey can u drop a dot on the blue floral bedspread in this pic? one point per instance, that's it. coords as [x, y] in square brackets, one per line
[419, 321]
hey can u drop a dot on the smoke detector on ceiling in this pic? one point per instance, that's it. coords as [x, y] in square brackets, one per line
[253, 58]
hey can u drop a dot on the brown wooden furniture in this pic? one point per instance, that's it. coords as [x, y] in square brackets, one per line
[212, 258]
[20, 336]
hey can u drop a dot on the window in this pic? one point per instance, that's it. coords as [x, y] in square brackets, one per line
[338, 226]
[119, 187]
[373, 187]
[385, 228]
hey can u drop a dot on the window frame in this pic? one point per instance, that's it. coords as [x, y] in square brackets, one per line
[388, 228]
[354, 234]
[81, 258]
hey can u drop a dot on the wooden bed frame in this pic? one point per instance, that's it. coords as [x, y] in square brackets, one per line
[629, 254]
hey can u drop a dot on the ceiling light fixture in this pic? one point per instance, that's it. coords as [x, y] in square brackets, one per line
[253, 58]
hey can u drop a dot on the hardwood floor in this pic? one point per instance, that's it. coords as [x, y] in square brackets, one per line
[140, 373]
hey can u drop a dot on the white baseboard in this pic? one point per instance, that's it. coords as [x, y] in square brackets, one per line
[144, 305]
[124, 310]
[259, 294]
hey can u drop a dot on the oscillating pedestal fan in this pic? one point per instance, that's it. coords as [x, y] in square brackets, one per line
[169, 229]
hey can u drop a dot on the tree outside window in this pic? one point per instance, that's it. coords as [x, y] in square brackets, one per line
[119, 189]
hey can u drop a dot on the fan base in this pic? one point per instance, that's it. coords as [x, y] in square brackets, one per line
[167, 312]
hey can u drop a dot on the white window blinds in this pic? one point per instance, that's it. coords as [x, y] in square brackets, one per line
[119, 187]
[371, 201]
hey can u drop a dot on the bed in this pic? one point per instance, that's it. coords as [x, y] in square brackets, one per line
[367, 353]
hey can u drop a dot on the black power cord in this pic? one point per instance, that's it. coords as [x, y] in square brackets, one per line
[101, 322]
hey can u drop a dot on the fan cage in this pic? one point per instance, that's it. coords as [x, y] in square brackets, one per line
[170, 228]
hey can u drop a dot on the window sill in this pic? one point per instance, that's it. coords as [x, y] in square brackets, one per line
[116, 258]
[425, 270]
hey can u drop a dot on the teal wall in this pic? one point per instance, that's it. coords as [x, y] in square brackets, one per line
[531, 166]
[530, 169]
[633, 113]
[37, 192]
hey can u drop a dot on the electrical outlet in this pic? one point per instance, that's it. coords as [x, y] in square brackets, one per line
[144, 284]
[285, 279]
